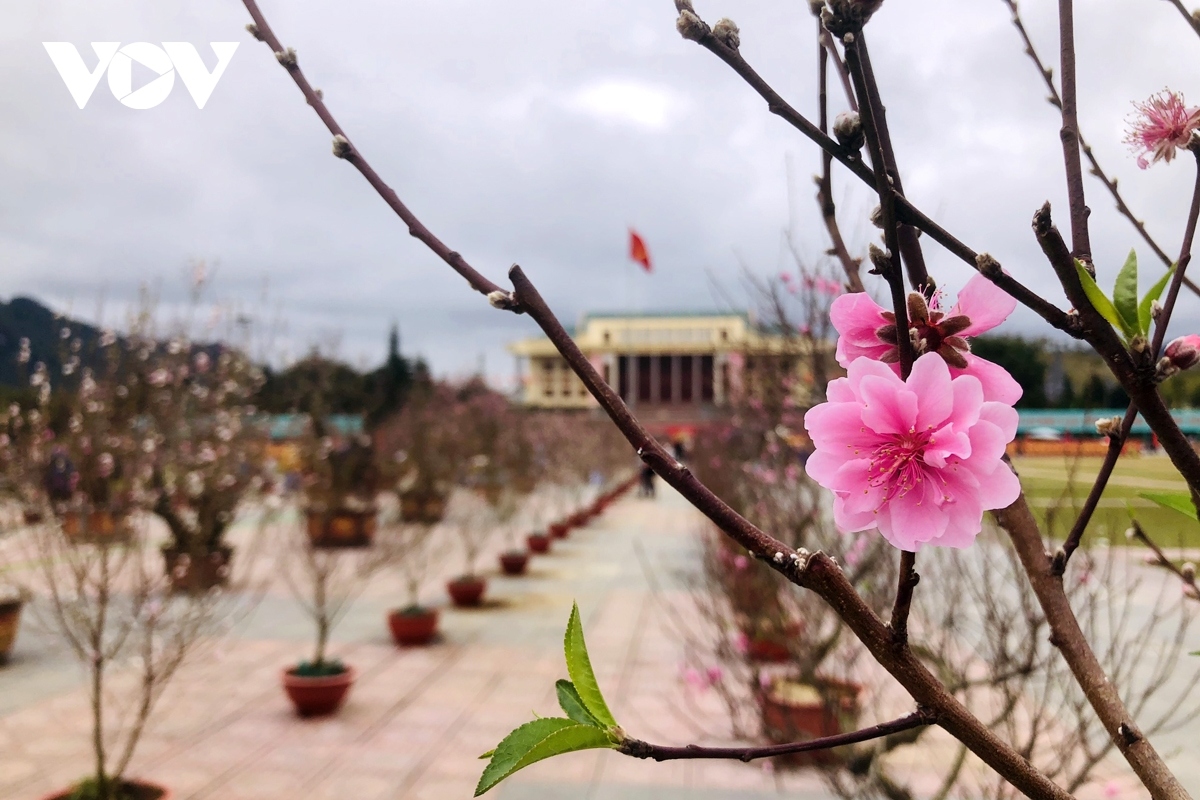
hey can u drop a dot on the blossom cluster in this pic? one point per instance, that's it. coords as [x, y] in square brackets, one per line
[918, 457]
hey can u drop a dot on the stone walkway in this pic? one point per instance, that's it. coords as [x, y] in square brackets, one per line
[417, 718]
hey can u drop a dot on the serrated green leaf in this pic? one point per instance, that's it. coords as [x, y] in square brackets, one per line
[1147, 303]
[573, 705]
[1125, 293]
[579, 668]
[1099, 301]
[538, 740]
[488, 754]
[1176, 501]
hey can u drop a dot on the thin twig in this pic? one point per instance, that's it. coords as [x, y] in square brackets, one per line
[892, 271]
[850, 265]
[639, 749]
[1109, 183]
[1081, 247]
[287, 58]
[905, 211]
[1188, 578]
[1192, 19]
[904, 594]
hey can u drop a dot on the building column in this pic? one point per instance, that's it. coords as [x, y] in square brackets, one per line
[631, 365]
[719, 362]
[655, 379]
[676, 382]
[696, 396]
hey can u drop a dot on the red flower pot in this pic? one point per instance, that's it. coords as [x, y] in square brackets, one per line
[514, 562]
[320, 696]
[10, 618]
[767, 650]
[413, 626]
[135, 790]
[794, 711]
[559, 530]
[538, 543]
[467, 591]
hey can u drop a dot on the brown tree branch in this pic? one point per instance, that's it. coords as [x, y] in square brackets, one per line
[850, 265]
[344, 149]
[890, 267]
[1067, 636]
[639, 749]
[1188, 578]
[906, 212]
[904, 593]
[1193, 20]
[1117, 440]
[1109, 183]
[1080, 244]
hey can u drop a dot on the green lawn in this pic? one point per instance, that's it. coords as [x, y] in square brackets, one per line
[1056, 486]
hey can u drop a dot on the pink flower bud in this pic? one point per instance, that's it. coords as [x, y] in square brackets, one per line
[1184, 352]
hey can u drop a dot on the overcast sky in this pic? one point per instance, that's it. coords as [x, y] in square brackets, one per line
[537, 132]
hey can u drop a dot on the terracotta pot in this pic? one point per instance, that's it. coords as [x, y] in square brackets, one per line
[559, 530]
[10, 619]
[94, 527]
[197, 574]
[413, 626]
[318, 697]
[794, 711]
[767, 650]
[425, 507]
[467, 591]
[341, 528]
[138, 790]
[538, 543]
[514, 562]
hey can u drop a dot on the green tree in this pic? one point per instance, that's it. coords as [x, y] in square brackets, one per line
[1025, 360]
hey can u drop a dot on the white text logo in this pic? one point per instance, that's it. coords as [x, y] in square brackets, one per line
[118, 61]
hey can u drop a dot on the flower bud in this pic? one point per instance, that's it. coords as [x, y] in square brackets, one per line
[691, 26]
[1182, 353]
[254, 31]
[341, 146]
[1109, 426]
[847, 127]
[287, 58]
[727, 31]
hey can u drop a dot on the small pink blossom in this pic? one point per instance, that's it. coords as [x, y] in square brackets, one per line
[740, 563]
[866, 329]
[1184, 352]
[1112, 788]
[714, 675]
[741, 643]
[919, 459]
[1161, 125]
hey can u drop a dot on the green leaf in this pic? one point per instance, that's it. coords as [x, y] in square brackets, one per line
[1125, 293]
[571, 703]
[1155, 292]
[1176, 501]
[579, 667]
[488, 754]
[1099, 301]
[538, 740]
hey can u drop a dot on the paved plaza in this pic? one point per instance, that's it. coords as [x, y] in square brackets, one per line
[418, 717]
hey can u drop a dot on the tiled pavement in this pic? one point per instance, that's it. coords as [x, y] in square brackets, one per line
[417, 718]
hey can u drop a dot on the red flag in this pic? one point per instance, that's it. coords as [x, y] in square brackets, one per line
[638, 252]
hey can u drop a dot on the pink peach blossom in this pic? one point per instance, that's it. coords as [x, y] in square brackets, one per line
[1161, 125]
[919, 459]
[866, 329]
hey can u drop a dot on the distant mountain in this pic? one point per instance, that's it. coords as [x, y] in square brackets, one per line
[24, 317]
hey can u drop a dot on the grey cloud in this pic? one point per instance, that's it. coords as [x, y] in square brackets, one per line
[473, 112]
